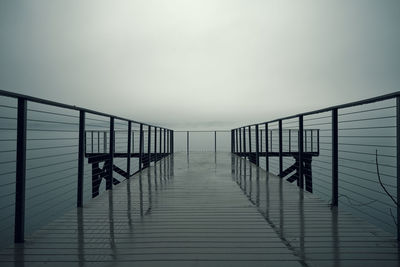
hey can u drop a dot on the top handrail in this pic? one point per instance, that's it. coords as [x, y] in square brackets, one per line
[62, 105]
[347, 105]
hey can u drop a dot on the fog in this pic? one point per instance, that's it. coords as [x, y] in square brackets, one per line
[207, 64]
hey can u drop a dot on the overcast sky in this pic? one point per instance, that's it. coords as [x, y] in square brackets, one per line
[212, 63]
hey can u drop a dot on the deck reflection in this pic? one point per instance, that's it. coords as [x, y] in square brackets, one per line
[318, 234]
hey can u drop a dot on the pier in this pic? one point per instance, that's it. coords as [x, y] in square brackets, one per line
[139, 200]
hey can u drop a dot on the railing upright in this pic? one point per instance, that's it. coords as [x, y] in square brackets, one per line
[398, 164]
[266, 149]
[244, 139]
[249, 139]
[155, 144]
[164, 144]
[149, 145]
[236, 141]
[109, 181]
[240, 139]
[335, 159]
[187, 142]
[172, 142]
[301, 156]
[19, 229]
[280, 150]
[257, 148]
[141, 147]
[215, 141]
[161, 155]
[129, 152]
[81, 158]
[232, 141]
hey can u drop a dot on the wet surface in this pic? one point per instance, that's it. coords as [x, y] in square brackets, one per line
[205, 210]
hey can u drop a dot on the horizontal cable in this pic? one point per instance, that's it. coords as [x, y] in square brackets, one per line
[52, 156]
[367, 214]
[366, 153]
[367, 188]
[48, 173]
[7, 195]
[54, 122]
[363, 111]
[50, 147]
[53, 181]
[367, 136]
[367, 162]
[367, 197]
[366, 171]
[7, 118]
[53, 139]
[50, 189]
[53, 113]
[311, 119]
[364, 179]
[7, 173]
[53, 130]
[7, 106]
[52, 164]
[367, 145]
[367, 128]
[368, 119]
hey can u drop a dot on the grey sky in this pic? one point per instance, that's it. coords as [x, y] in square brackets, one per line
[218, 64]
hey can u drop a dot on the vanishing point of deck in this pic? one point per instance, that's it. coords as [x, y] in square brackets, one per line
[205, 210]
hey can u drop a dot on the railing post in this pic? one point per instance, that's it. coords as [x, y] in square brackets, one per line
[19, 229]
[335, 158]
[149, 145]
[164, 141]
[240, 139]
[250, 139]
[398, 163]
[187, 142]
[161, 155]
[155, 144]
[280, 150]
[129, 152]
[91, 142]
[244, 140]
[232, 141]
[81, 158]
[301, 156]
[109, 181]
[266, 149]
[141, 147]
[172, 142]
[168, 141]
[104, 142]
[257, 148]
[236, 141]
[215, 141]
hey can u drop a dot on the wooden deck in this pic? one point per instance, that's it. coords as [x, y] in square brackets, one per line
[205, 210]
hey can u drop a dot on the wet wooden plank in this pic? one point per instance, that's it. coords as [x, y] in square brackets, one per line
[196, 211]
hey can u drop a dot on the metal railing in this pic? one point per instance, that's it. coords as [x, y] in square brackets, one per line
[348, 154]
[52, 155]
[202, 140]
